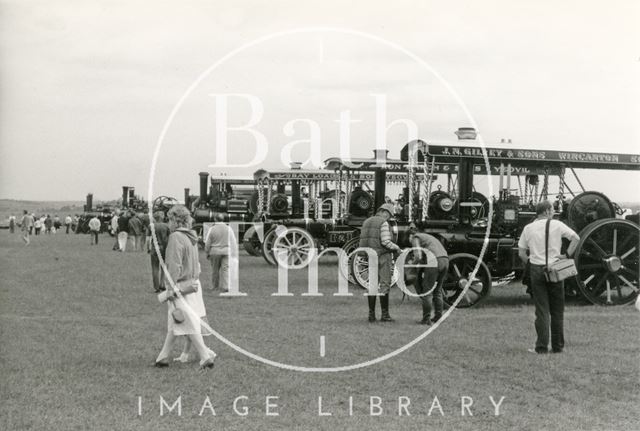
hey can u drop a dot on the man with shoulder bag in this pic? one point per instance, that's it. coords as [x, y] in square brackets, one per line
[542, 239]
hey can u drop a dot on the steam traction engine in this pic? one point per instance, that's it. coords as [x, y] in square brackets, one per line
[606, 256]
[226, 195]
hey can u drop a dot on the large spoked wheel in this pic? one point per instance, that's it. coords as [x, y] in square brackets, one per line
[267, 246]
[251, 242]
[461, 267]
[295, 248]
[360, 270]
[346, 265]
[607, 262]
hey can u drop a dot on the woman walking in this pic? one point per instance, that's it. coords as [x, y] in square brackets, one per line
[182, 263]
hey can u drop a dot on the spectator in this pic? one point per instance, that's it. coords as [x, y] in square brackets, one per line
[183, 267]
[67, 222]
[94, 229]
[113, 225]
[74, 224]
[548, 296]
[135, 231]
[432, 276]
[38, 225]
[123, 231]
[376, 235]
[12, 223]
[26, 224]
[48, 224]
[219, 246]
[162, 232]
[56, 223]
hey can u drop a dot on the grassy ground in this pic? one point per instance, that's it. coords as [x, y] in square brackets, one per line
[80, 329]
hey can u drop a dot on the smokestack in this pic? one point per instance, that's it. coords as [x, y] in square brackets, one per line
[204, 179]
[89, 206]
[132, 195]
[125, 196]
[466, 133]
[186, 197]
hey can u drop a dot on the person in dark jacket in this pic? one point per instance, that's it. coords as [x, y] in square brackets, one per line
[376, 235]
[136, 229]
[123, 231]
[162, 231]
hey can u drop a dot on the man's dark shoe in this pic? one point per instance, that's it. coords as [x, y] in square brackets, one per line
[372, 317]
[436, 318]
[556, 351]
[425, 321]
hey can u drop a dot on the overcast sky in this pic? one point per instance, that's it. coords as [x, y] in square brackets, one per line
[86, 87]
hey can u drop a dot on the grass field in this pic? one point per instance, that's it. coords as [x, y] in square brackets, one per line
[80, 329]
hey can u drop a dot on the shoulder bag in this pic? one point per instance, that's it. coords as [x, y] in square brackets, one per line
[559, 270]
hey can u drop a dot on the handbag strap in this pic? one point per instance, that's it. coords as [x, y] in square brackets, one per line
[546, 244]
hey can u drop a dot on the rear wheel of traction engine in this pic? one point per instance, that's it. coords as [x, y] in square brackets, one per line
[297, 245]
[360, 270]
[251, 242]
[346, 265]
[267, 246]
[461, 267]
[607, 262]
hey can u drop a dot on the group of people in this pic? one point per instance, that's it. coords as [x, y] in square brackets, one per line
[45, 224]
[128, 225]
[540, 245]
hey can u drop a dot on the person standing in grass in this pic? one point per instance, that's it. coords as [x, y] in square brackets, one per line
[429, 285]
[94, 229]
[48, 224]
[219, 247]
[113, 225]
[26, 225]
[37, 225]
[183, 266]
[12, 223]
[67, 222]
[548, 297]
[123, 231]
[135, 231]
[162, 232]
[376, 235]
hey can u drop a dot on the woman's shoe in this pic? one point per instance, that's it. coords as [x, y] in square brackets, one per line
[184, 358]
[162, 363]
[209, 362]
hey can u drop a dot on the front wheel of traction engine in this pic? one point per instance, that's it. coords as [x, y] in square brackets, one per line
[461, 268]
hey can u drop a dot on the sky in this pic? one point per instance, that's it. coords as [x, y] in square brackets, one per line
[87, 87]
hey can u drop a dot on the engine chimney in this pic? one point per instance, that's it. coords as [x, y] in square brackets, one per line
[89, 206]
[466, 133]
[204, 179]
[125, 196]
[186, 197]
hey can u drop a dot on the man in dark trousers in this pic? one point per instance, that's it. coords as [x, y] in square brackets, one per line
[162, 232]
[376, 235]
[436, 261]
[548, 297]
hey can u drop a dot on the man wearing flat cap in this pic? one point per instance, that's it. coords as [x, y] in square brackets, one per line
[376, 235]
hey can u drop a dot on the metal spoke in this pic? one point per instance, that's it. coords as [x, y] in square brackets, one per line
[608, 292]
[615, 240]
[455, 268]
[591, 277]
[628, 271]
[627, 282]
[624, 256]
[617, 283]
[591, 266]
[598, 248]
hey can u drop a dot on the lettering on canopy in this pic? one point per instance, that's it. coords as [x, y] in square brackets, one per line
[553, 156]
